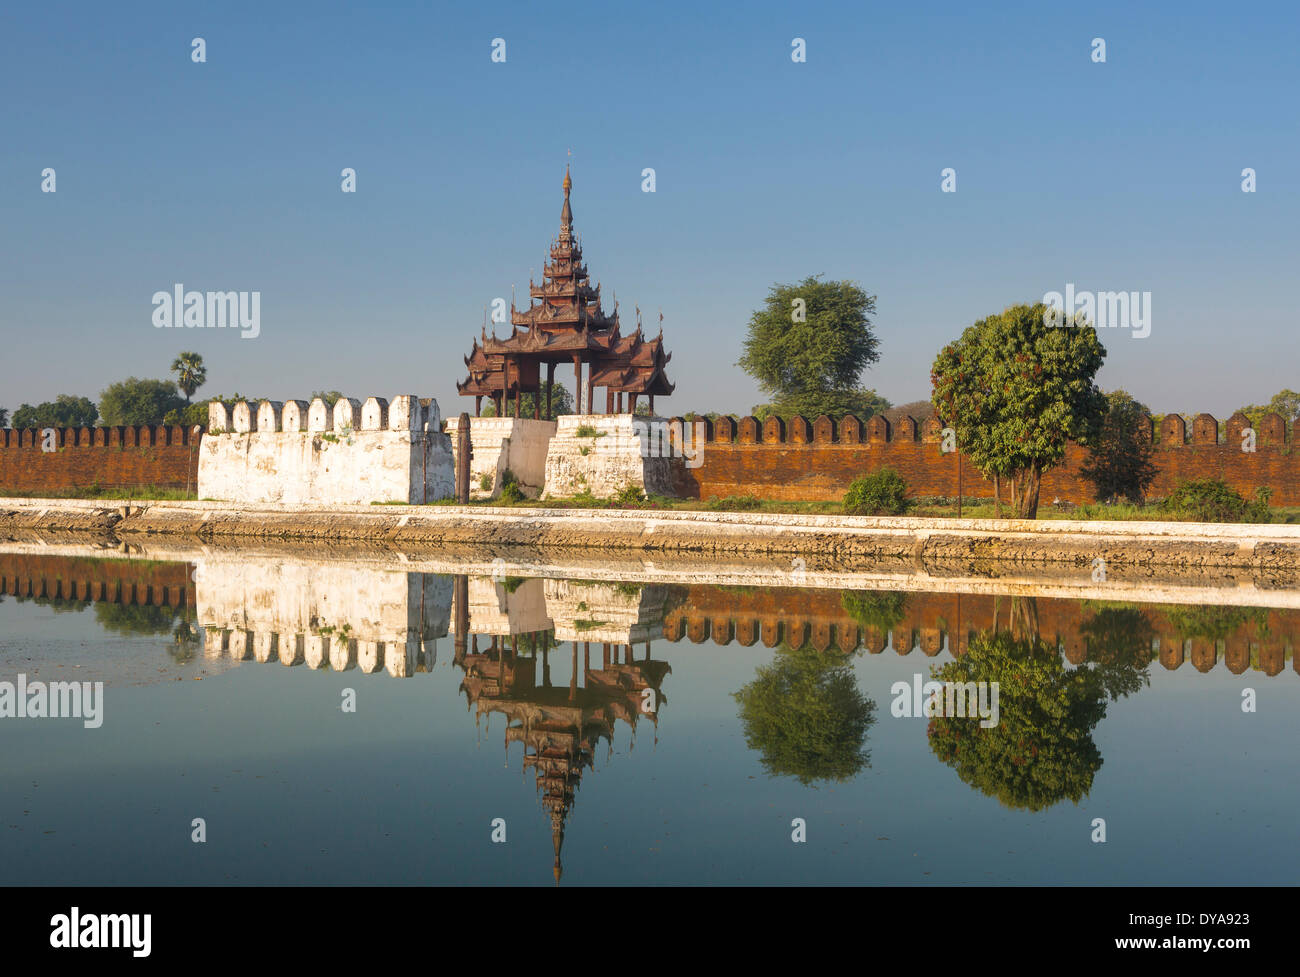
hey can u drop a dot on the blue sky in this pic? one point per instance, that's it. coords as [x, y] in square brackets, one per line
[225, 175]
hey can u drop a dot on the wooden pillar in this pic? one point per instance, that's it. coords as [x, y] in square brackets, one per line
[589, 389]
[462, 461]
[573, 674]
[478, 405]
[537, 405]
[550, 382]
[605, 657]
[620, 401]
[577, 390]
[631, 407]
[609, 400]
[652, 404]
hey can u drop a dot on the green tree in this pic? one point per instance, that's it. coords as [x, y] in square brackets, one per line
[806, 717]
[4, 417]
[561, 403]
[1015, 390]
[190, 373]
[1041, 751]
[808, 345]
[1119, 463]
[65, 410]
[1285, 402]
[331, 397]
[133, 401]
[875, 610]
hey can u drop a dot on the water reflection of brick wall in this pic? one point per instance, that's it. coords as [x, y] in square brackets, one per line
[85, 578]
[816, 460]
[1264, 638]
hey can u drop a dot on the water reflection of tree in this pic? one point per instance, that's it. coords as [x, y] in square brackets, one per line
[806, 717]
[1213, 623]
[1041, 751]
[875, 610]
[129, 620]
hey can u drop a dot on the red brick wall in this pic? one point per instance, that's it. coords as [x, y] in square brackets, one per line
[816, 461]
[110, 457]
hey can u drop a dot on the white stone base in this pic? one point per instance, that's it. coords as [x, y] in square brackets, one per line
[616, 456]
[501, 444]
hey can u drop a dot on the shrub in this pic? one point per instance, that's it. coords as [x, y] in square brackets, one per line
[485, 483]
[629, 494]
[735, 503]
[882, 493]
[510, 490]
[587, 431]
[1213, 500]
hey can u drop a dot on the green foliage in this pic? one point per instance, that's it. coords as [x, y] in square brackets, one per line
[588, 431]
[1119, 463]
[834, 404]
[629, 494]
[135, 619]
[882, 493]
[65, 410]
[134, 402]
[1015, 390]
[1041, 751]
[806, 717]
[813, 366]
[875, 610]
[330, 397]
[485, 483]
[4, 416]
[734, 503]
[1285, 402]
[561, 403]
[1213, 622]
[190, 373]
[510, 491]
[1213, 500]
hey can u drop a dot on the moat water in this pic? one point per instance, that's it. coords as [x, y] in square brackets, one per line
[329, 720]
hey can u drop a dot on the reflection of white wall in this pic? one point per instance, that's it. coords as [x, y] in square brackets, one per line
[495, 610]
[321, 615]
[605, 612]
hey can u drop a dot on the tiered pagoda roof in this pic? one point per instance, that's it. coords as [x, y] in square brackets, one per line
[565, 323]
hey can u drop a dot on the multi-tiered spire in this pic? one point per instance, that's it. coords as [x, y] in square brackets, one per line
[565, 323]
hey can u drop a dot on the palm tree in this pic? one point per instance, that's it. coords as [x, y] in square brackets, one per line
[190, 373]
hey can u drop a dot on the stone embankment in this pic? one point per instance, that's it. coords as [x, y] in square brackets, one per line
[1270, 550]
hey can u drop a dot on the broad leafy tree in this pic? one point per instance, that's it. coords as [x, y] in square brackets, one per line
[807, 348]
[806, 717]
[133, 402]
[1286, 403]
[64, 411]
[1015, 390]
[1119, 464]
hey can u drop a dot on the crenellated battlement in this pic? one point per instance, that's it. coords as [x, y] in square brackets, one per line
[302, 452]
[406, 413]
[144, 436]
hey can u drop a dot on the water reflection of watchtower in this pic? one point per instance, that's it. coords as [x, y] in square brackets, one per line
[509, 672]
